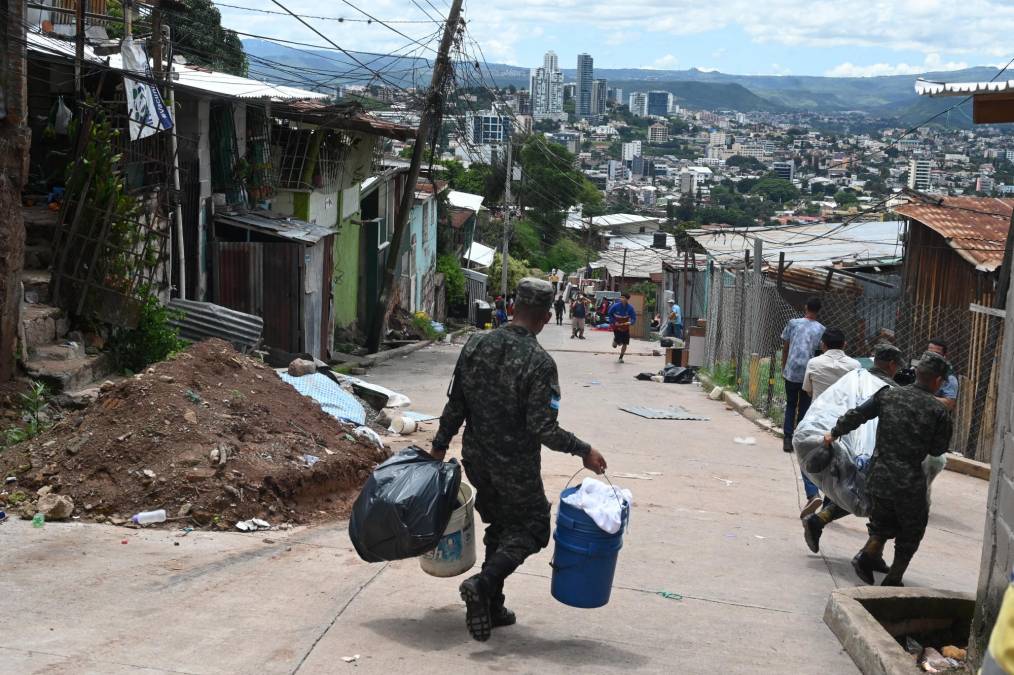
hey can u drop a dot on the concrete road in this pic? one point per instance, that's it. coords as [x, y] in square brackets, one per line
[715, 526]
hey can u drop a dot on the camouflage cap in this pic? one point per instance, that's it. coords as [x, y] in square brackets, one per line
[934, 363]
[887, 352]
[535, 293]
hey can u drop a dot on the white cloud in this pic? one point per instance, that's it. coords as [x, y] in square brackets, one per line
[933, 62]
[667, 62]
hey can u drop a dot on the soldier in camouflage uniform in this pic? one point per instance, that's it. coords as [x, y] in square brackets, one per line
[505, 387]
[913, 424]
[887, 359]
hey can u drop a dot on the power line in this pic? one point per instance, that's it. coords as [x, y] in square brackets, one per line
[339, 19]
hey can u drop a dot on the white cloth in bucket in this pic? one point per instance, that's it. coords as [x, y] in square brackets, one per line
[599, 501]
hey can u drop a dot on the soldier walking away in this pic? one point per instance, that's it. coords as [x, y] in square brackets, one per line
[622, 316]
[913, 424]
[559, 306]
[887, 360]
[506, 391]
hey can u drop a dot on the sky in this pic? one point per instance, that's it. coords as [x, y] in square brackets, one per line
[857, 38]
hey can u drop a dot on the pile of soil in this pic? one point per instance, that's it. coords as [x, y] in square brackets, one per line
[211, 436]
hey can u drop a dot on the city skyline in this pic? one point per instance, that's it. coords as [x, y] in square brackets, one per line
[790, 37]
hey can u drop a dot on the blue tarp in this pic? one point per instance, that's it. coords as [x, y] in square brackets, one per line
[332, 398]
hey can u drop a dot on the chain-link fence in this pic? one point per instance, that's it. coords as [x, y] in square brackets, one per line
[747, 312]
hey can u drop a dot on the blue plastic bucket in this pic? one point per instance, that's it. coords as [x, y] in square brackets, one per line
[584, 558]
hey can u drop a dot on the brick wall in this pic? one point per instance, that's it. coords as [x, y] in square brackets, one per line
[998, 541]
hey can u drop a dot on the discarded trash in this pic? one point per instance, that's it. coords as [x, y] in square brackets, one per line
[148, 517]
[124, 541]
[757, 536]
[311, 459]
[370, 435]
[913, 647]
[674, 413]
[38, 520]
[604, 504]
[3, 516]
[669, 596]
[334, 400]
[657, 378]
[403, 426]
[727, 482]
[377, 396]
[933, 661]
[253, 525]
[350, 659]
[11, 479]
[745, 440]
[193, 396]
[956, 653]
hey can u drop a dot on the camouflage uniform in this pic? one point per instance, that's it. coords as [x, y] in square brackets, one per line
[506, 390]
[913, 424]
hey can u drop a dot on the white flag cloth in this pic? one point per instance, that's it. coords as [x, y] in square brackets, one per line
[145, 108]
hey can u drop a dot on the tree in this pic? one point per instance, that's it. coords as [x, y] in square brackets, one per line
[567, 255]
[516, 271]
[777, 190]
[846, 199]
[551, 184]
[198, 35]
[746, 163]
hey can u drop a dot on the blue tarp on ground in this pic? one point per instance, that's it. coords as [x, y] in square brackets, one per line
[332, 398]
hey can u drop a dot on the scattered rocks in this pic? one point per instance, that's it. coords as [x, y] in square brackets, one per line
[55, 507]
[148, 473]
[185, 510]
[300, 367]
[190, 416]
[107, 386]
[168, 379]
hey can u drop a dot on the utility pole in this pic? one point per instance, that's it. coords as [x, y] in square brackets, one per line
[506, 220]
[623, 269]
[15, 139]
[430, 114]
[79, 42]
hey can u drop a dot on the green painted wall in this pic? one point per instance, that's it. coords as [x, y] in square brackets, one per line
[346, 273]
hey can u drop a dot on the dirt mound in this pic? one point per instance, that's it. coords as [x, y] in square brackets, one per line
[212, 436]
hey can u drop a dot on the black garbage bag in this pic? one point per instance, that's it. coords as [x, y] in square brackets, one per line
[405, 506]
[678, 375]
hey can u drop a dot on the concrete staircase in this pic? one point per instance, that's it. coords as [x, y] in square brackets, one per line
[52, 355]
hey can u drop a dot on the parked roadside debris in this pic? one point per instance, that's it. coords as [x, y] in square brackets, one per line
[350, 659]
[172, 418]
[38, 520]
[148, 517]
[745, 440]
[669, 596]
[369, 435]
[252, 525]
[403, 426]
[674, 413]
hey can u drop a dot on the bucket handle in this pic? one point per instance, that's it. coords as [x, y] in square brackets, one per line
[615, 491]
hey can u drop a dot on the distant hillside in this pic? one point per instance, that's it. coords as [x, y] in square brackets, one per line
[887, 97]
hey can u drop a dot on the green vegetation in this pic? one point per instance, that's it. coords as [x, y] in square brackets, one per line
[777, 190]
[424, 325]
[33, 407]
[552, 185]
[516, 271]
[846, 199]
[454, 278]
[153, 339]
[746, 163]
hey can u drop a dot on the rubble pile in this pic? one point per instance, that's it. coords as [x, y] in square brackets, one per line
[211, 436]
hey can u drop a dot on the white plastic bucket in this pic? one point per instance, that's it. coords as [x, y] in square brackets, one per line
[403, 426]
[455, 552]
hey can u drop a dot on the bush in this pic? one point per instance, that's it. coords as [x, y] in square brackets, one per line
[34, 407]
[153, 340]
[424, 326]
[454, 278]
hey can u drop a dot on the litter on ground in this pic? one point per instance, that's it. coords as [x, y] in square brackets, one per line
[674, 413]
[745, 440]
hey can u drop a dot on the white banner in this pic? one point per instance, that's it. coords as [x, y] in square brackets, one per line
[145, 108]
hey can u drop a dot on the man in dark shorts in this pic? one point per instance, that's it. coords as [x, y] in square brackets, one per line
[559, 305]
[621, 317]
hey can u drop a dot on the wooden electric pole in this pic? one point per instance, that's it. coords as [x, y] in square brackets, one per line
[506, 221]
[15, 139]
[430, 114]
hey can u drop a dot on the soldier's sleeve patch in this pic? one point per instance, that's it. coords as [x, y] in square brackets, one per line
[554, 403]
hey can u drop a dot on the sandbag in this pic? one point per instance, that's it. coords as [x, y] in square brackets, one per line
[404, 507]
[840, 472]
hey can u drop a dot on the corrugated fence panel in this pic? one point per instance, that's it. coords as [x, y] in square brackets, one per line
[283, 286]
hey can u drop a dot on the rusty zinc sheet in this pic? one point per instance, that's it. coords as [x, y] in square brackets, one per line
[975, 227]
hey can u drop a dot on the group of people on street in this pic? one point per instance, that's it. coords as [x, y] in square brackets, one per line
[914, 422]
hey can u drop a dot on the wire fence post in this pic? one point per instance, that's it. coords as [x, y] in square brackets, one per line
[737, 348]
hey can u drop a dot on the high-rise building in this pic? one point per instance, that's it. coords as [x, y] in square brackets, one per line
[658, 103]
[919, 174]
[487, 127]
[638, 104]
[546, 87]
[583, 91]
[598, 98]
[658, 133]
[786, 170]
[630, 150]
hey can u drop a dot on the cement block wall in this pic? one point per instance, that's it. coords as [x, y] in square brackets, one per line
[998, 541]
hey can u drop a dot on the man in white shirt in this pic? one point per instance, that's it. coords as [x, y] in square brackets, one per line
[824, 370]
[821, 372]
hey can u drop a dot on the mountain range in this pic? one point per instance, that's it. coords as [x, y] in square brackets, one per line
[889, 97]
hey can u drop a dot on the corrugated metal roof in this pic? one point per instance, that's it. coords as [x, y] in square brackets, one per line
[344, 116]
[203, 320]
[637, 264]
[465, 200]
[812, 246]
[927, 88]
[615, 219]
[975, 227]
[480, 254]
[275, 224]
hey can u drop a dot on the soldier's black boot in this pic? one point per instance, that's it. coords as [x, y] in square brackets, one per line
[863, 563]
[475, 592]
[813, 527]
[501, 616]
[902, 557]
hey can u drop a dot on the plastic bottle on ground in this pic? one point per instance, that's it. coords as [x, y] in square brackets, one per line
[39, 520]
[148, 517]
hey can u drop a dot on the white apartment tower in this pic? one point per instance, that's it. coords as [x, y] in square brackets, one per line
[546, 86]
[919, 174]
[639, 104]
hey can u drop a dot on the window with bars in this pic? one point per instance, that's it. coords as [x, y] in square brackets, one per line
[309, 159]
